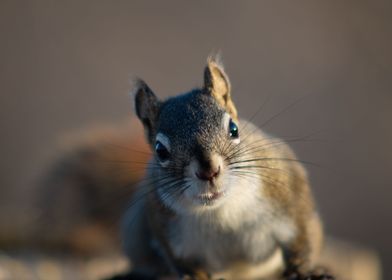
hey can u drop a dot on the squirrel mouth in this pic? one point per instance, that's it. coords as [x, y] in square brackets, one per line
[209, 198]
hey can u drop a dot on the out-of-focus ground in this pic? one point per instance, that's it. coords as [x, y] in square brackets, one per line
[67, 66]
[346, 262]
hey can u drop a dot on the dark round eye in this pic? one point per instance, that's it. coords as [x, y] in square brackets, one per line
[233, 130]
[162, 152]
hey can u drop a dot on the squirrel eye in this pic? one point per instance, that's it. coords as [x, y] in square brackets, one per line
[162, 152]
[233, 130]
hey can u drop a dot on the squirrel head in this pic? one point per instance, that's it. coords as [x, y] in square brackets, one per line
[190, 133]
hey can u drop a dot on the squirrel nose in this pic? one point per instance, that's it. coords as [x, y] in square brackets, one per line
[208, 175]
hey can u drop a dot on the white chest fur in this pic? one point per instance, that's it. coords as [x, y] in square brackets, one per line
[243, 230]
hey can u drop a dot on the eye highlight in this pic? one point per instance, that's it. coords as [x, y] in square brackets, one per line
[233, 130]
[161, 151]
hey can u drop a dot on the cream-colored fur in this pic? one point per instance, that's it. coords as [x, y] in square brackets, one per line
[241, 227]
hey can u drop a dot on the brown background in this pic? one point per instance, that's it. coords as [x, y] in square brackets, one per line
[65, 66]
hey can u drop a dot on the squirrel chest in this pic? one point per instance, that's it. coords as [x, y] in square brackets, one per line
[236, 233]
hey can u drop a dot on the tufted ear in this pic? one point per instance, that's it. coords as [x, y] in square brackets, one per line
[147, 108]
[217, 84]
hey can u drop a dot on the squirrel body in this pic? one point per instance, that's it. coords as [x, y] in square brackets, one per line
[221, 199]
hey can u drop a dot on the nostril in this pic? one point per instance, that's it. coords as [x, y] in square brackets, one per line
[205, 175]
[208, 175]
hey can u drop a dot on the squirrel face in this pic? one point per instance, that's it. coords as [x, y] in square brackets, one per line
[191, 136]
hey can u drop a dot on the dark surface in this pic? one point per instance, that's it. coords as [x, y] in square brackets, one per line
[65, 66]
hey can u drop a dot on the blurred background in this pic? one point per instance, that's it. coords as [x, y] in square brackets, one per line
[67, 66]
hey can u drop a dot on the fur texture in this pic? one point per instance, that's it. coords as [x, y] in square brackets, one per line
[251, 210]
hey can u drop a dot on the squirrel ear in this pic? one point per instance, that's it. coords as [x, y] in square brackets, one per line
[146, 107]
[217, 84]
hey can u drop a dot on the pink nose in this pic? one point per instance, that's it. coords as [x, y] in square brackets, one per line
[208, 175]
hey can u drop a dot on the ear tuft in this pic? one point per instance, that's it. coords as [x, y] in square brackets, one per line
[146, 106]
[217, 84]
[215, 78]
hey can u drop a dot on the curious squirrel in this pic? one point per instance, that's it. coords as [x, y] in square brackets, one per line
[221, 199]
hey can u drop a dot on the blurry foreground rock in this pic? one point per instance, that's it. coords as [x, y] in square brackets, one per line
[29, 266]
[344, 260]
[349, 262]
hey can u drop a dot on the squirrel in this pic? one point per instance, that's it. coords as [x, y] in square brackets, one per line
[221, 199]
